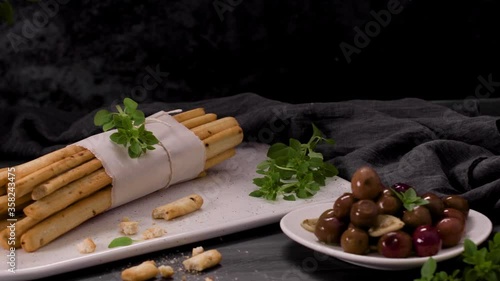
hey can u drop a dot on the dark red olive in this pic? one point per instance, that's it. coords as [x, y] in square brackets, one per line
[451, 231]
[401, 187]
[388, 203]
[426, 241]
[342, 206]
[395, 244]
[366, 184]
[454, 213]
[328, 229]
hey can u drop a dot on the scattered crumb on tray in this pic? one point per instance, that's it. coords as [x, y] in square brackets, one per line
[129, 227]
[153, 232]
[86, 246]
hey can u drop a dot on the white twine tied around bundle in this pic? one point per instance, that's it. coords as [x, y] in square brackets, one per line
[181, 158]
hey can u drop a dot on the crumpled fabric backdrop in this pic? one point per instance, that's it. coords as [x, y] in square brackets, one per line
[409, 140]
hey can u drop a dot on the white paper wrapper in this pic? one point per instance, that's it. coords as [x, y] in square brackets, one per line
[180, 157]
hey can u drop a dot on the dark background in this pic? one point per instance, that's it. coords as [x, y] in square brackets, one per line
[88, 54]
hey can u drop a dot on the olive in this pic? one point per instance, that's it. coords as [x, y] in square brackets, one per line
[365, 183]
[401, 187]
[388, 203]
[328, 229]
[355, 241]
[420, 215]
[450, 230]
[342, 206]
[364, 213]
[426, 241]
[454, 213]
[395, 244]
[435, 205]
[457, 202]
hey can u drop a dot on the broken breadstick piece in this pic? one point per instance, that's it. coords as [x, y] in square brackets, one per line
[141, 272]
[203, 261]
[179, 207]
[196, 251]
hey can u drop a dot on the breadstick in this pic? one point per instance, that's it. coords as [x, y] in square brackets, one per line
[179, 207]
[200, 120]
[203, 261]
[65, 220]
[4, 178]
[67, 195]
[41, 162]
[3, 190]
[219, 158]
[21, 226]
[26, 184]
[144, 271]
[61, 180]
[190, 114]
[18, 203]
[223, 141]
[206, 130]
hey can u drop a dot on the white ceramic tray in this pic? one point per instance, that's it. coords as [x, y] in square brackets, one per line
[227, 209]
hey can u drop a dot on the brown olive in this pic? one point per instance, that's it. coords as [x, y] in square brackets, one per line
[435, 205]
[450, 231]
[342, 206]
[364, 213]
[389, 204]
[420, 215]
[454, 213]
[355, 241]
[457, 202]
[365, 183]
[329, 228]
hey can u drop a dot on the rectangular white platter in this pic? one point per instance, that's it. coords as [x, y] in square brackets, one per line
[227, 209]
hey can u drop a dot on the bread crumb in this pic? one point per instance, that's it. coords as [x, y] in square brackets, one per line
[208, 279]
[129, 227]
[153, 232]
[166, 271]
[86, 246]
[197, 251]
[125, 219]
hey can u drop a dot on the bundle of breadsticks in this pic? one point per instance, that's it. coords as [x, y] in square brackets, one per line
[58, 191]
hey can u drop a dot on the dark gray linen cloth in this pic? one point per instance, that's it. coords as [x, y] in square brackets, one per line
[414, 141]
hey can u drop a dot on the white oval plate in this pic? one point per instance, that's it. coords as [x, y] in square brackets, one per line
[478, 229]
